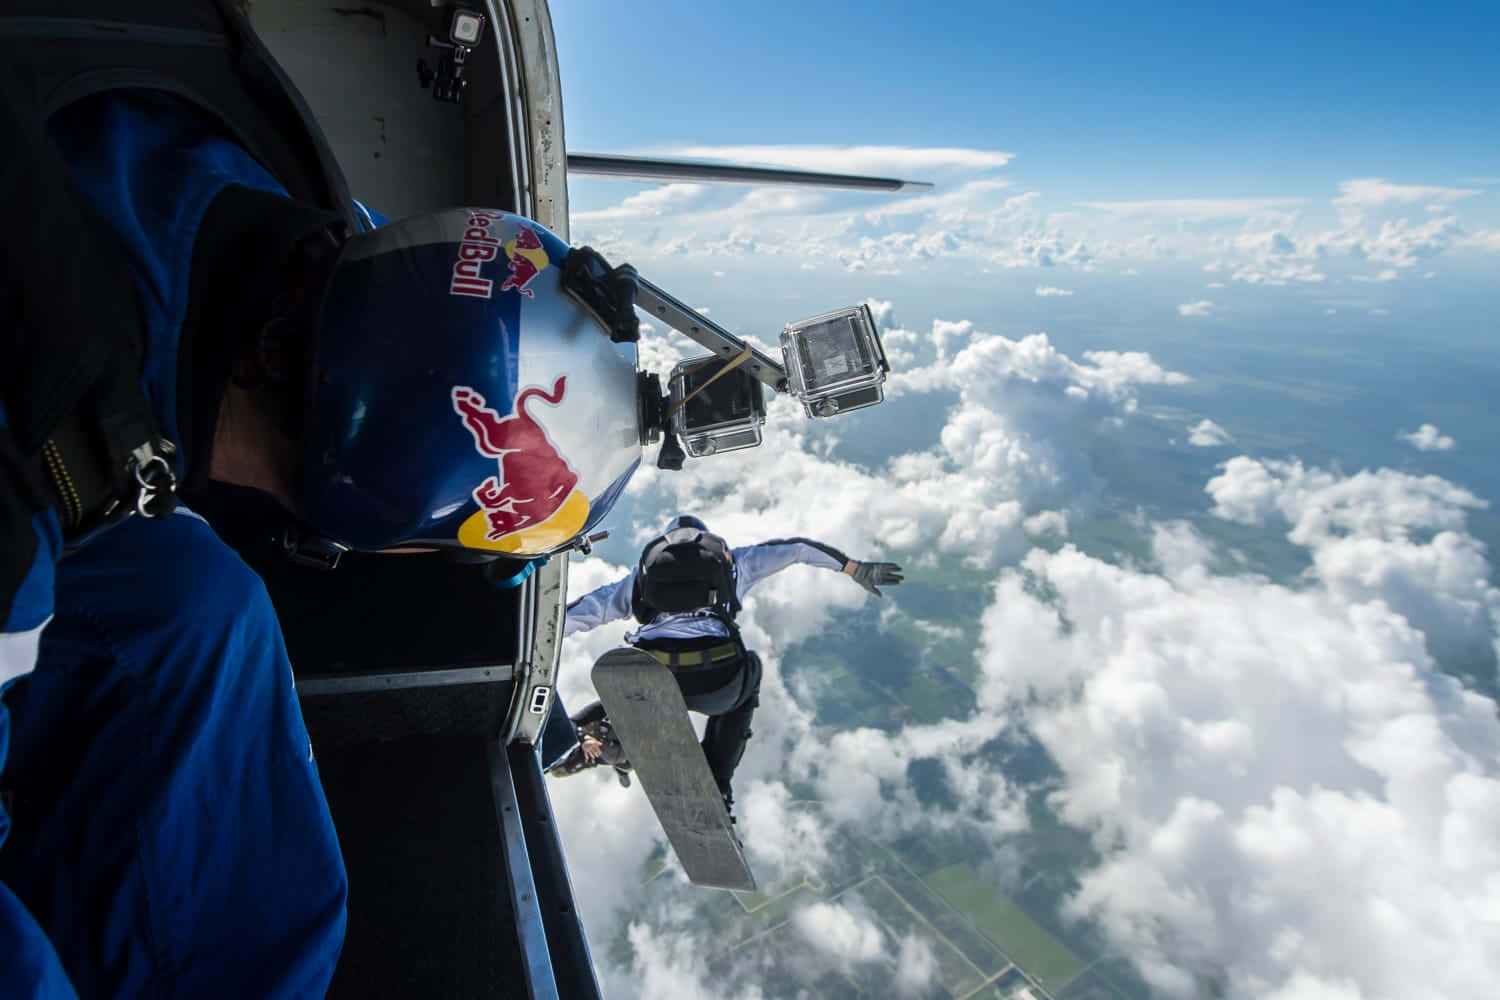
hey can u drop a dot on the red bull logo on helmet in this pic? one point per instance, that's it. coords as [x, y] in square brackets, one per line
[476, 249]
[532, 504]
[527, 260]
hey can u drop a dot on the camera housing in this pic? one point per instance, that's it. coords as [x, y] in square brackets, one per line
[835, 361]
[713, 410]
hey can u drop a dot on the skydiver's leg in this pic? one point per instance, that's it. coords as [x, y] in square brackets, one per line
[725, 736]
[590, 713]
[562, 747]
[559, 734]
[170, 833]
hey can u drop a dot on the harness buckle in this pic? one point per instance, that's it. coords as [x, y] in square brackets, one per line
[155, 482]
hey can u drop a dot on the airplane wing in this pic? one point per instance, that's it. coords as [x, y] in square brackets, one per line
[640, 168]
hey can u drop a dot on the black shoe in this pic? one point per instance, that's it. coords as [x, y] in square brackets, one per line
[574, 762]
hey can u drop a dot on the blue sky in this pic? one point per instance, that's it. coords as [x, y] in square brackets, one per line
[1120, 101]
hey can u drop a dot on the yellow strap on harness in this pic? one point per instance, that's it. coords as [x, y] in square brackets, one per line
[693, 657]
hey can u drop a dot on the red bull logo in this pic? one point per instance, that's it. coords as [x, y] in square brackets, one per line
[527, 260]
[476, 249]
[532, 504]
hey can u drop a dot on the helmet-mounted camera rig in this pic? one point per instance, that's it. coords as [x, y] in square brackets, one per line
[833, 362]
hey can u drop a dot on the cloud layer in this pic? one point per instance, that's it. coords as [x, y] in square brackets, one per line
[1372, 228]
[1287, 795]
[1289, 799]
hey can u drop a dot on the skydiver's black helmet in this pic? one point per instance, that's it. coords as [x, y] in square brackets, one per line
[683, 526]
[685, 568]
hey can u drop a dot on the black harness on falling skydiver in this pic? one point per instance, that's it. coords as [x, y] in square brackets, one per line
[86, 434]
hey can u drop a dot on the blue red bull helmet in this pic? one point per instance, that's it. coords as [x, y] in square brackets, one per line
[459, 397]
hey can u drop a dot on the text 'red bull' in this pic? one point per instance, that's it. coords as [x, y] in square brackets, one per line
[532, 485]
[477, 248]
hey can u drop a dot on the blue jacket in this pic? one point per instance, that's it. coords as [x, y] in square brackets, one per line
[146, 161]
[175, 837]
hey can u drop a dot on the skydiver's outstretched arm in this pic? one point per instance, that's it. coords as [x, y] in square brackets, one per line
[608, 603]
[753, 563]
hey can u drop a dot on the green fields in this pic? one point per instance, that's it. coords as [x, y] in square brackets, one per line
[1027, 943]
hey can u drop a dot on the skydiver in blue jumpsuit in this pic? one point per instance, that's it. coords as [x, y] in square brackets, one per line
[719, 677]
[168, 835]
[163, 832]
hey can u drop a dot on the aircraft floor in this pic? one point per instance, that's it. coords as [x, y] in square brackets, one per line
[419, 832]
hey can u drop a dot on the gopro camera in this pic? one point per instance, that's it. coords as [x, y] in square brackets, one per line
[714, 414]
[466, 27]
[835, 361]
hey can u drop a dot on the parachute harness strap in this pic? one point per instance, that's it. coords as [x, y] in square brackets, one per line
[729, 365]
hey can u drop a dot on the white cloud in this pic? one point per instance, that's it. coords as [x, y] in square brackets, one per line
[779, 836]
[644, 204]
[943, 205]
[916, 966]
[1428, 438]
[1289, 800]
[840, 933]
[1203, 307]
[1364, 192]
[1048, 522]
[1009, 447]
[861, 780]
[1047, 291]
[1195, 209]
[669, 963]
[1207, 434]
[1487, 240]
[1381, 535]
[972, 220]
[1271, 257]
[1320, 504]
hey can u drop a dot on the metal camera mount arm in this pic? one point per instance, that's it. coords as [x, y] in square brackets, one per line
[711, 335]
[831, 363]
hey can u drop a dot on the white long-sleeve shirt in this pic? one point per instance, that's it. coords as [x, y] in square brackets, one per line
[752, 564]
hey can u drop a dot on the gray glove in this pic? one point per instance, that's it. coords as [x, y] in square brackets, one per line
[868, 574]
